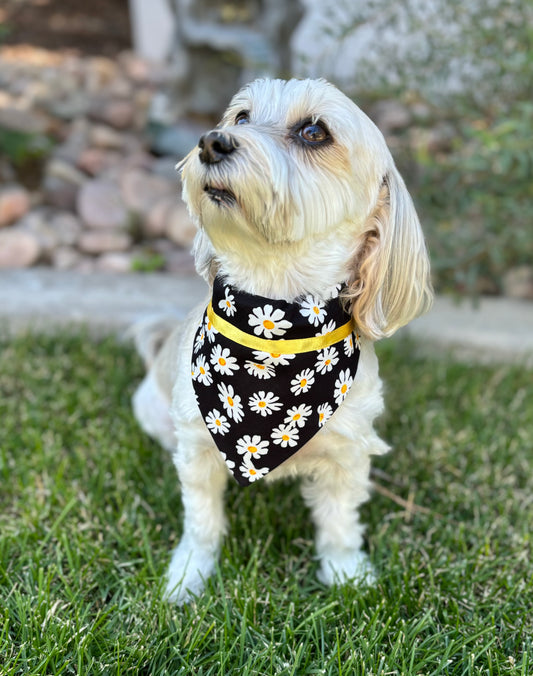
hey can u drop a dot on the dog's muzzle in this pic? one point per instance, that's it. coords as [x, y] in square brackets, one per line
[215, 146]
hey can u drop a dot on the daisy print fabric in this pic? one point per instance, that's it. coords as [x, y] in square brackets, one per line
[269, 374]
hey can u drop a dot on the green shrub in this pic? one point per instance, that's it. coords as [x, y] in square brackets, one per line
[470, 64]
[476, 201]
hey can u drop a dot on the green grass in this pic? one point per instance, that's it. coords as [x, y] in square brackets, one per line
[90, 509]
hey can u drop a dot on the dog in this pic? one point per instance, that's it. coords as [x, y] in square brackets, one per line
[304, 223]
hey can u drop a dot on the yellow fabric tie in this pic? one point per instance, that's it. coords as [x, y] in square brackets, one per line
[294, 346]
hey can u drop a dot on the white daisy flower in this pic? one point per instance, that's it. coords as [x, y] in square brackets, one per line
[357, 340]
[302, 382]
[264, 403]
[229, 463]
[273, 358]
[327, 328]
[216, 422]
[342, 385]
[313, 309]
[228, 304]
[268, 322]
[259, 370]
[222, 361]
[297, 415]
[326, 360]
[199, 340]
[231, 402]
[253, 473]
[324, 414]
[334, 291]
[348, 346]
[285, 435]
[251, 447]
[210, 330]
[202, 371]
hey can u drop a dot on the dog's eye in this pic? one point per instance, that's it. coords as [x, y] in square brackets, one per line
[313, 132]
[243, 117]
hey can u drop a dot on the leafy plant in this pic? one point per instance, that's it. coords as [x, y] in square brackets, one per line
[477, 201]
[469, 65]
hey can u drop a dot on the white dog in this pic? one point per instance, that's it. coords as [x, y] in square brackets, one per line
[313, 250]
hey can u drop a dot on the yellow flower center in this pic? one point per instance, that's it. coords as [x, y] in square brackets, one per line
[230, 401]
[228, 304]
[275, 355]
[296, 416]
[209, 325]
[252, 449]
[202, 370]
[217, 422]
[262, 404]
[316, 310]
[303, 382]
[344, 388]
[268, 324]
[252, 472]
[320, 417]
[222, 361]
[285, 437]
[327, 362]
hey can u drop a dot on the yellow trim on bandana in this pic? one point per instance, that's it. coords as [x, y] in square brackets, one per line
[293, 346]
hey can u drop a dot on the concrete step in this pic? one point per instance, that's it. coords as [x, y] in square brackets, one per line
[43, 299]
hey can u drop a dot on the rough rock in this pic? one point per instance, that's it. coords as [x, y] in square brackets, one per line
[140, 189]
[66, 258]
[103, 241]
[95, 161]
[179, 262]
[60, 193]
[37, 224]
[180, 228]
[14, 203]
[177, 140]
[99, 205]
[115, 262]
[24, 121]
[115, 112]
[103, 136]
[156, 222]
[18, 249]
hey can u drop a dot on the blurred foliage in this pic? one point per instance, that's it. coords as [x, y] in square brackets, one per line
[148, 261]
[471, 64]
[26, 153]
[20, 147]
[476, 201]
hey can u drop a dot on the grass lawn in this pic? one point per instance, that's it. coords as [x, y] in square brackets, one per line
[90, 509]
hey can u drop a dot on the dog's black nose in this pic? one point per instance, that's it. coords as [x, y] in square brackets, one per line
[215, 146]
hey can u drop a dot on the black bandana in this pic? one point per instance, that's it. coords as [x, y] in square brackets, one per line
[268, 374]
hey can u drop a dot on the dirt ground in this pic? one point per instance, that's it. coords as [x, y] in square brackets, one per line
[95, 27]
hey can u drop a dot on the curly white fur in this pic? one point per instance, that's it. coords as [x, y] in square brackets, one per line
[300, 217]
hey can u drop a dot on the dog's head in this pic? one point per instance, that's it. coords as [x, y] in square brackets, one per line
[294, 164]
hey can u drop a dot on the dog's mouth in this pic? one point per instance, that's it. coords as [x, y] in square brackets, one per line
[219, 196]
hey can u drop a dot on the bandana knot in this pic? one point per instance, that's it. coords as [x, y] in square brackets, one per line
[268, 374]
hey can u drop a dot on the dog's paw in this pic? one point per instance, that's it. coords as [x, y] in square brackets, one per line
[187, 573]
[346, 567]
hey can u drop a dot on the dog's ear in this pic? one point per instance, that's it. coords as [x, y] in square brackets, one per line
[390, 284]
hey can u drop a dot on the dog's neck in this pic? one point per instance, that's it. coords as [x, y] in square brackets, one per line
[286, 271]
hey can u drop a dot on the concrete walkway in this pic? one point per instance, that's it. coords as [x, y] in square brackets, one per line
[497, 329]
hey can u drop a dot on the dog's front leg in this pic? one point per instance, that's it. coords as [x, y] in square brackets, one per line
[334, 495]
[203, 479]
